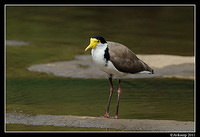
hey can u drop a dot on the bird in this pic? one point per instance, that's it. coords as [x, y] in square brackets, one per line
[117, 60]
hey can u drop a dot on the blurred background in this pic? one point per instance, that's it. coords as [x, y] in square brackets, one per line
[58, 33]
[149, 30]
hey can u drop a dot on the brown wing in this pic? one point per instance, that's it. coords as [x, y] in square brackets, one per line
[125, 60]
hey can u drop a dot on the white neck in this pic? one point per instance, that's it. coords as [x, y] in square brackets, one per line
[99, 47]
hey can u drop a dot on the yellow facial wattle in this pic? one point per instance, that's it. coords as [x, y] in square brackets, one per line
[93, 43]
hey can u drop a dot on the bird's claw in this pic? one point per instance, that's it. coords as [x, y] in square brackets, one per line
[105, 116]
[115, 117]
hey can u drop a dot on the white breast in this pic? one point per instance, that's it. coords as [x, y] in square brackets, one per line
[100, 61]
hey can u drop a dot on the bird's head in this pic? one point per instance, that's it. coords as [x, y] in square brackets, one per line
[94, 41]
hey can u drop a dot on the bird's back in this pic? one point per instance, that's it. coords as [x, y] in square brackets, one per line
[125, 60]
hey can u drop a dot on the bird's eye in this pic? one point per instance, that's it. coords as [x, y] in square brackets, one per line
[98, 41]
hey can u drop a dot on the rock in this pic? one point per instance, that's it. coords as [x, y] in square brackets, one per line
[16, 43]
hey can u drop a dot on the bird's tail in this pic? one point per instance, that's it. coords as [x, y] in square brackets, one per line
[147, 68]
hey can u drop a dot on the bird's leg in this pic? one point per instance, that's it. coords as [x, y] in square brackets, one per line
[118, 99]
[109, 100]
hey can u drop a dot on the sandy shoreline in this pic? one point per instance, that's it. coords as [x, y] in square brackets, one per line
[83, 67]
[86, 121]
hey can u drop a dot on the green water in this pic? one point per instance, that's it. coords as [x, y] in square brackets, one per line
[146, 30]
[171, 99]
[38, 128]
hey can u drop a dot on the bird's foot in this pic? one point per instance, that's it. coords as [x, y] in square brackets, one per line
[105, 116]
[115, 117]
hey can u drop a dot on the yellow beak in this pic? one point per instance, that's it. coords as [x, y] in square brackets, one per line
[88, 47]
[93, 43]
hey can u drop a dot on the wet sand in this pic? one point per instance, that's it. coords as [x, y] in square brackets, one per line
[97, 122]
[83, 67]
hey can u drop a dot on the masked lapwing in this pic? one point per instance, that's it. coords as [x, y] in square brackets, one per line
[116, 60]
